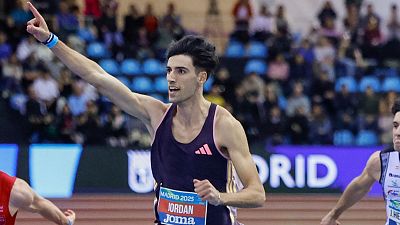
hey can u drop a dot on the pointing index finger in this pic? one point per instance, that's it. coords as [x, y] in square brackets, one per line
[34, 11]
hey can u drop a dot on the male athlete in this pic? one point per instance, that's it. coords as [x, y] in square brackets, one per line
[199, 153]
[382, 166]
[15, 195]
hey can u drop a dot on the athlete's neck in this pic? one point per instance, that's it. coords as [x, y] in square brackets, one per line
[192, 112]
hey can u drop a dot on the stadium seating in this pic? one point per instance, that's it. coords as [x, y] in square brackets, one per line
[343, 138]
[97, 50]
[366, 138]
[370, 81]
[110, 66]
[130, 67]
[257, 50]
[255, 66]
[153, 67]
[350, 82]
[391, 84]
[142, 85]
[235, 50]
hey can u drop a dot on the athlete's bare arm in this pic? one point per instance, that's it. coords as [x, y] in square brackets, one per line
[356, 190]
[149, 110]
[24, 198]
[230, 136]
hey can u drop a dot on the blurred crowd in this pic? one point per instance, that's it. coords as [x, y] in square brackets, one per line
[296, 101]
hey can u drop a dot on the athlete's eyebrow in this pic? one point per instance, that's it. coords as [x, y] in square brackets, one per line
[177, 67]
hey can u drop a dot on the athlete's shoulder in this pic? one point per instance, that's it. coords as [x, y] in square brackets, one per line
[224, 119]
[374, 165]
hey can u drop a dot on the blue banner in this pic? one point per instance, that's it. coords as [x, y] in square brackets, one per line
[53, 168]
[308, 168]
[8, 158]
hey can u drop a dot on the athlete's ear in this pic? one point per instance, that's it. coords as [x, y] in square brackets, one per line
[202, 77]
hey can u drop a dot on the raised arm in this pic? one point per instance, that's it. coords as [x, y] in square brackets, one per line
[235, 143]
[356, 190]
[24, 198]
[146, 108]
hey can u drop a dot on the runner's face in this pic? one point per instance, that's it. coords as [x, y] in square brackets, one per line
[182, 78]
[396, 131]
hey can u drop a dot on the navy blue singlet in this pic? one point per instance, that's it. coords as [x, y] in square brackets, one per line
[175, 165]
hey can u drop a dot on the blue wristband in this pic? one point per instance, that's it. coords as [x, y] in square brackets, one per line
[51, 41]
[69, 222]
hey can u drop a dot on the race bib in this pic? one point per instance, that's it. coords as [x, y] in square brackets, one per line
[394, 210]
[181, 207]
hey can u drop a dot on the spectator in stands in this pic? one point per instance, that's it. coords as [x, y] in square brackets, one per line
[253, 83]
[346, 121]
[325, 55]
[66, 22]
[46, 88]
[297, 126]
[167, 33]
[92, 9]
[278, 69]
[391, 49]
[242, 13]
[225, 83]
[394, 23]
[320, 126]
[372, 39]
[262, 26]
[385, 120]
[306, 51]
[132, 22]
[274, 128]
[18, 18]
[171, 16]
[26, 47]
[281, 23]
[115, 128]
[12, 74]
[65, 122]
[65, 83]
[271, 98]
[300, 69]
[89, 126]
[49, 8]
[323, 93]
[5, 47]
[346, 101]
[77, 101]
[107, 27]
[352, 23]
[369, 102]
[347, 56]
[370, 15]
[215, 96]
[329, 31]
[298, 102]
[327, 14]
[150, 23]
[35, 114]
[368, 110]
[30, 68]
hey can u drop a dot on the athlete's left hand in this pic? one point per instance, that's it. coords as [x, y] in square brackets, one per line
[207, 192]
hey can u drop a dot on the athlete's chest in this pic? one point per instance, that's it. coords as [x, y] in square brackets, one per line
[186, 134]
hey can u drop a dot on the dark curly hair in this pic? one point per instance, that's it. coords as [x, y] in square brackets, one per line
[396, 106]
[199, 49]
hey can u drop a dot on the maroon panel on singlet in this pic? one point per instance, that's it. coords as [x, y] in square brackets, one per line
[6, 184]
